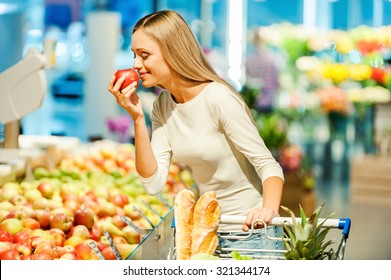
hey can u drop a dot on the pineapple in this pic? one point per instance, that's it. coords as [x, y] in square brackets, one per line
[305, 240]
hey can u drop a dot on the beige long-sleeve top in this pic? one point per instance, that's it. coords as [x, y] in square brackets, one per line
[213, 135]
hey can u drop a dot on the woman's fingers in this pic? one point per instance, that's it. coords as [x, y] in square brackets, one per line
[129, 89]
[118, 84]
[262, 214]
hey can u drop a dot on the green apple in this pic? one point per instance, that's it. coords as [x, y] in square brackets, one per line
[12, 225]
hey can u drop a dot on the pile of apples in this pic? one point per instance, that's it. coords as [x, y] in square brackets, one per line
[66, 213]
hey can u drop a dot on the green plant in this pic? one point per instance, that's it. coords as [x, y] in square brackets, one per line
[305, 240]
[272, 128]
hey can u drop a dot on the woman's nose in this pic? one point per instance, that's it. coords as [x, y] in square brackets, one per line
[137, 64]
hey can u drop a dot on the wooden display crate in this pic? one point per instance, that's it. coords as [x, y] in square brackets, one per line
[371, 179]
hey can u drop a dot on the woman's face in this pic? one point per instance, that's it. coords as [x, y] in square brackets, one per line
[149, 61]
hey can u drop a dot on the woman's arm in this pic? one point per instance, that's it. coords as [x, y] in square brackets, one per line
[152, 158]
[146, 164]
[272, 194]
[242, 132]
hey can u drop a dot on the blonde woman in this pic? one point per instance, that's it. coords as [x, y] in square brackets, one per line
[200, 120]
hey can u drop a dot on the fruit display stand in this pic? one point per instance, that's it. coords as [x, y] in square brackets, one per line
[70, 205]
[159, 243]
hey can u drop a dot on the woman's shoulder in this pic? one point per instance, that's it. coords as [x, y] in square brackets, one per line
[217, 91]
[220, 93]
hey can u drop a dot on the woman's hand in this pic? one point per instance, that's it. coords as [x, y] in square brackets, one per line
[257, 213]
[127, 98]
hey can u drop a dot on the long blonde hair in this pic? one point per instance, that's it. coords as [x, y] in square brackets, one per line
[180, 48]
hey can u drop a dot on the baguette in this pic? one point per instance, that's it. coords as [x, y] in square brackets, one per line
[184, 205]
[207, 213]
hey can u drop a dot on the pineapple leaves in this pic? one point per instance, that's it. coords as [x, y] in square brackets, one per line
[305, 238]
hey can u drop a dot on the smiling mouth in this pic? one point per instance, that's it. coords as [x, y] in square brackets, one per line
[142, 75]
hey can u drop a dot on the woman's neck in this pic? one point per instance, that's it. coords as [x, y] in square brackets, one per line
[184, 91]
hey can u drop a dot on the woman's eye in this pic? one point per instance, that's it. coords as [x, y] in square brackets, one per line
[144, 55]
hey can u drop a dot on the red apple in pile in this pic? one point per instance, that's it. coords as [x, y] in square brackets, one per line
[58, 236]
[32, 223]
[11, 254]
[119, 199]
[80, 231]
[24, 249]
[84, 216]
[21, 237]
[129, 74]
[42, 216]
[46, 189]
[61, 221]
[5, 236]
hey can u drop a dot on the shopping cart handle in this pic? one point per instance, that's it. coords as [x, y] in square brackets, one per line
[343, 223]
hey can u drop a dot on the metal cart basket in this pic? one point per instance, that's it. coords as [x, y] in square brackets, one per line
[341, 224]
[159, 243]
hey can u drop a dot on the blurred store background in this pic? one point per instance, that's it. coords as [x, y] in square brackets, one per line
[328, 116]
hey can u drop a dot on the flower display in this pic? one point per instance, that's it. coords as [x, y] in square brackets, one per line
[333, 99]
[120, 126]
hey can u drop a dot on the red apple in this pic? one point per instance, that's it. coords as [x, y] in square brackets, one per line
[129, 74]
[131, 212]
[67, 249]
[119, 239]
[31, 223]
[95, 232]
[126, 249]
[36, 240]
[5, 245]
[84, 216]
[80, 231]
[17, 214]
[46, 189]
[21, 237]
[107, 209]
[108, 253]
[24, 249]
[48, 247]
[68, 256]
[61, 221]
[131, 235]
[42, 216]
[12, 225]
[71, 204]
[70, 196]
[26, 258]
[58, 236]
[119, 199]
[118, 222]
[10, 254]
[42, 256]
[84, 251]
[5, 236]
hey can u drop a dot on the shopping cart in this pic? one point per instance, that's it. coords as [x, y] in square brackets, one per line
[343, 224]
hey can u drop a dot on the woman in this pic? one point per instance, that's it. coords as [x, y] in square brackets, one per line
[201, 121]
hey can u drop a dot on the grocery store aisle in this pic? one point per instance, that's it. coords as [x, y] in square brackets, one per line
[370, 233]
